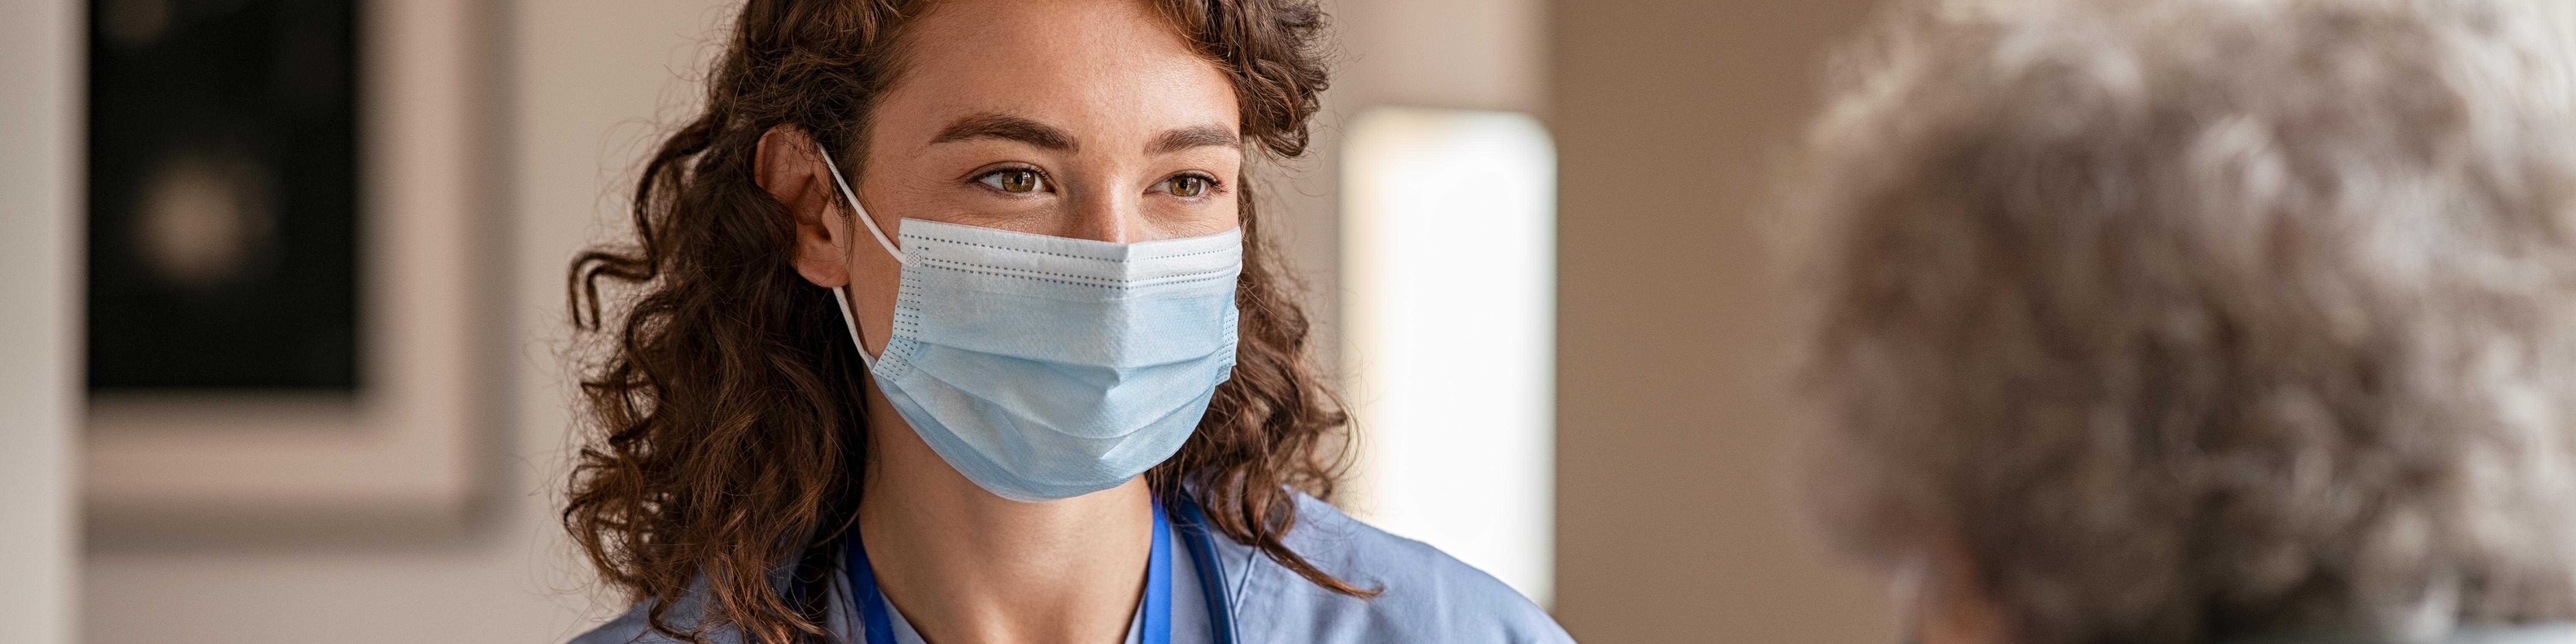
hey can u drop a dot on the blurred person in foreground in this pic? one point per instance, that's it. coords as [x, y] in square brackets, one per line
[2203, 321]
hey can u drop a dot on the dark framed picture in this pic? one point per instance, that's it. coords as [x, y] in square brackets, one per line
[223, 193]
[286, 256]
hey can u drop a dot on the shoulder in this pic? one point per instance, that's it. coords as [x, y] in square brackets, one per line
[1426, 595]
[635, 627]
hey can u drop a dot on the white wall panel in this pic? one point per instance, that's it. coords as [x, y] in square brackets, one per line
[40, 47]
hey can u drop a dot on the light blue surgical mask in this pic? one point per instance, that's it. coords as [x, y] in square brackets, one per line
[1046, 367]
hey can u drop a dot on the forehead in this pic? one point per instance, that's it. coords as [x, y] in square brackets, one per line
[1100, 65]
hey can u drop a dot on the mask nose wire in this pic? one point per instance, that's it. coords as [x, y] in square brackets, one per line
[842, 294]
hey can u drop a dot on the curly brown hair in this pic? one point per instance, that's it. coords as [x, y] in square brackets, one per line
[724, 416]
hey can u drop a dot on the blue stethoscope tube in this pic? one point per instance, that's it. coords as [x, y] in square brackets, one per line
[879, 624]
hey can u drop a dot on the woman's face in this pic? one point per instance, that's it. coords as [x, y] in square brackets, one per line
[1091, 119]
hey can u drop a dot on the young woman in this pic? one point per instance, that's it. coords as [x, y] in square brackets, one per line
[951, 321]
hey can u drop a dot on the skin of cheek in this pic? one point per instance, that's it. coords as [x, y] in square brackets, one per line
[874, 276]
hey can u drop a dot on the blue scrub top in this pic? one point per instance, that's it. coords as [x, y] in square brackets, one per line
[1429, 596]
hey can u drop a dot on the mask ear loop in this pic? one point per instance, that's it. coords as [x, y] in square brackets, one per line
[860, 211]
[842, 294]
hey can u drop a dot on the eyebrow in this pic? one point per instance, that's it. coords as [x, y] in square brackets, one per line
[1005, 127]
[1022, 129]
[1196, 136]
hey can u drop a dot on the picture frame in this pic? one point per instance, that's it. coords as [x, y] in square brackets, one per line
[400, 454]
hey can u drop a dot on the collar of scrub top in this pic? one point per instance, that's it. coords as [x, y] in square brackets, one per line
[1203, 556]
[878, 623]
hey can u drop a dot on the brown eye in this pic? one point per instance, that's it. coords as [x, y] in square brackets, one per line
[1186, 186]
[1014, 181]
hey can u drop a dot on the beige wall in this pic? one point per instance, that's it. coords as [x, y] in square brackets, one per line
[1672, 521]
[1467, 54]
[39, 333]
[587, 81]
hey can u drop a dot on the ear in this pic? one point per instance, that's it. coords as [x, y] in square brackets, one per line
[790, 166]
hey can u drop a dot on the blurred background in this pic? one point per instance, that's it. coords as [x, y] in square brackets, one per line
[333, 232]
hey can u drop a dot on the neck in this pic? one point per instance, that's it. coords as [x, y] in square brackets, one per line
[963, 565]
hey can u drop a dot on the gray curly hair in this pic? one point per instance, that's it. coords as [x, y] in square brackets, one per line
[2196, 319]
